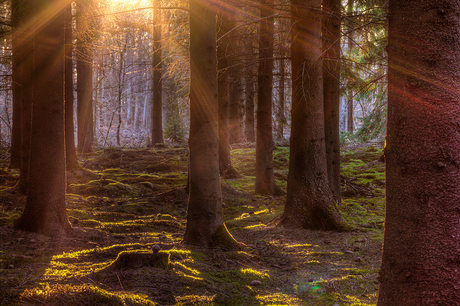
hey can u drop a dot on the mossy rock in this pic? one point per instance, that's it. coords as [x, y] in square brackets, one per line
[105, 187]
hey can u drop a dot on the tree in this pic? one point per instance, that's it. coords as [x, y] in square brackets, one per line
[157, 106]
[234, 80]
[84, 76]
[19, 14]
[331, 88]
[309, 202]
[22, 64]
[71, 152]
[350, 97]
[265, 179]
[205, 224]
[45, 211]
[280, 108]
[420, 250]
[250, 92]
[225, 163]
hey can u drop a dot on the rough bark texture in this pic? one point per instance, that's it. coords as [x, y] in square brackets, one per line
[309, 202]
[420, 264]
[205, 222]
[265, 179]
[331, 89]
[45, 211]
[84, 76]
[71, 152]
[157, 105]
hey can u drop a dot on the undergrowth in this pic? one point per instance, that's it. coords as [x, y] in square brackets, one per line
[128, 200]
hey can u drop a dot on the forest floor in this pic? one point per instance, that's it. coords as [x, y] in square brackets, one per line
[131, 199]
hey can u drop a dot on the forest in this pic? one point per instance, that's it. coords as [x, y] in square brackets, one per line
[257, 152]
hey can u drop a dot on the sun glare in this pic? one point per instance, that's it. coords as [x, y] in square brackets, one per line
[114, 6]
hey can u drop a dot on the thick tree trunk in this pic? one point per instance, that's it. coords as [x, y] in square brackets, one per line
[309, 202]
[265, 179]
[84, 76]
[157, 105]
[331, 74]
[45, 211]
[71, 152]
[205, 224]
[422, 153]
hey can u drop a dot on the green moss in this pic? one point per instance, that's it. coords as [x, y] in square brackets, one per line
[81, 295]
[223, 239]
[192, 300]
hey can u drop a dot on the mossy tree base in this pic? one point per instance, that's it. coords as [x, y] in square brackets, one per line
[223, 239]
[325, 220]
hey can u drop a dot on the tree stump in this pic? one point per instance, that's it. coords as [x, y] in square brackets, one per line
[133, 260]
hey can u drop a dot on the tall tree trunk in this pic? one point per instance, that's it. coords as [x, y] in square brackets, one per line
[234, 80]
[23, 44]
[265, 179]
[45, 210]
[331, 80]
[309, 202]
[71, 152]
[225, 163]
[249, 132]
[280, 117]
[422, 230]
[20, 13]
[84, 76]
[157, 106]
[350, 93]
[205, 223]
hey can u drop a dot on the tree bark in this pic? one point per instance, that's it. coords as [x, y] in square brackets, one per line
[309, 202]
[19, 15]
[331, 80]
[23, 44]
[265, 179]
[280, 117]
[45, 211]
[350, 93]
[71, 152]
[422, 153]
[205, 224]
[84, 76]
[157, 106]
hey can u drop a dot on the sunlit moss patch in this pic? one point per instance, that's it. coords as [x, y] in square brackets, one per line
[81, 295]
[192, 300]
[278, 299]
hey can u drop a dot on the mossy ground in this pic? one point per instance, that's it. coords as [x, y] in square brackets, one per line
[129, 200]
